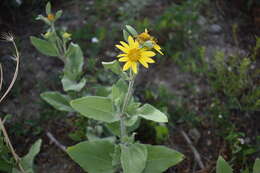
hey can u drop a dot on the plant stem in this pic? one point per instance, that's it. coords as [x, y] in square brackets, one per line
[9, 144]
[126, 101]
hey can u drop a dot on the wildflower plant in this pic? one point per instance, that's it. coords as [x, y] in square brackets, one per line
[117, 112]
[121, 114]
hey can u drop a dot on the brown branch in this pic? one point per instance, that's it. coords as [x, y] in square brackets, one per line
[56, 142]
[194, 150]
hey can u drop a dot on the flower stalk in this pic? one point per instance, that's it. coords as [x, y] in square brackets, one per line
[126, 101]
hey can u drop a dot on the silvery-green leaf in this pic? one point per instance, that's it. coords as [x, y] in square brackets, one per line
[149, 112]
[131, 30]
[223, 166]
[97, 108]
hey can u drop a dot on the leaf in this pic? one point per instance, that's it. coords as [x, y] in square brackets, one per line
[4, 166]
[160, 158]
[71, 85]
[48, 8]
[149, 112]
[114, 128]
[93, 156]
[44, 19]
[126, 35]
[58, 14]
[223, 166]
[118, 93]
[119, 89]
[44, 46]
[256, 168]
[114, 66]
[28, 159]
[131, 30]
[133, 158]
[57, 100]
[73, 62]
[95, 107]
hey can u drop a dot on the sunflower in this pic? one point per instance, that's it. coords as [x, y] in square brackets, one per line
[133, 54]
[145, 36]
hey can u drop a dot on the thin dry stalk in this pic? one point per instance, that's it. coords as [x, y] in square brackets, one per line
[17, 59]
[9, 144]
[10, 38]
[56, 142]
[194, 150]
[1, 76]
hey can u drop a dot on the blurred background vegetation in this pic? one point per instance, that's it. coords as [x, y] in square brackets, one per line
[207, 81]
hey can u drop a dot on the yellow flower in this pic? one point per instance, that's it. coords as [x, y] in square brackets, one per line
[133, 55]
[66, 35]
[50, 17]
[145, 36]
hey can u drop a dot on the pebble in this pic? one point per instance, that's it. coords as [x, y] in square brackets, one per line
[215, 29]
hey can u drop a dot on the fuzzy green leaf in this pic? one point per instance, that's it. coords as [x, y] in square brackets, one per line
[133, 158]
[28, 159]
[73, 62]
[58, 14]
[256, 168]
[57, 100]
[71, 85]
[149, 112]
[114, 66]
[48, 8]
[131, 30]
[160, 158]
[126, 35]
[223, 166]
[97, 108]
[93, 156]
[44, 46]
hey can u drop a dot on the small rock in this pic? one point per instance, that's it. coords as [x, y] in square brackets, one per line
[202, 21]
[194, 134]
[215, 29]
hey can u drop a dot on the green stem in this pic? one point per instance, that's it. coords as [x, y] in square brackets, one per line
[126, 101]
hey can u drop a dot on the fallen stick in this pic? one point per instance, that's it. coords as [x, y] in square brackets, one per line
[195, 152]
[56, 142]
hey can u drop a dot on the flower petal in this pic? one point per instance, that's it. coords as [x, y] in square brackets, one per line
[123, 59]
[148, 53]
[149, 60]
[143, 62]
[134, 67]
[124, 44]
[131, 41]
[158, 48]
[127, 65]
[121, 55]
[122, 48]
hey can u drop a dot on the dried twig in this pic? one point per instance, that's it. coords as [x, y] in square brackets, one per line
[194, 150]
[56, 142]
[7, 140]
[1, 76]
[10, 38]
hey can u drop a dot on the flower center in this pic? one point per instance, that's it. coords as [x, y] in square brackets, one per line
[134, 54]
[50, 17]
[143, 37]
